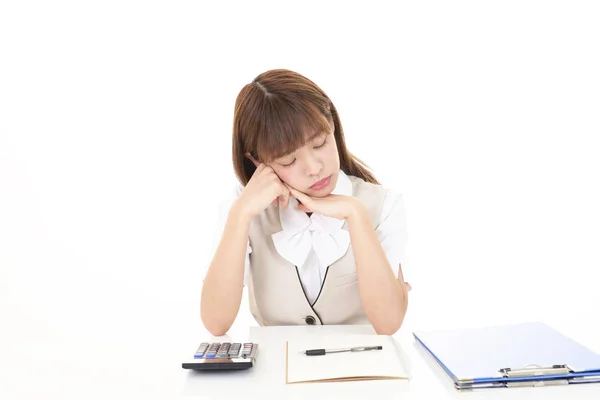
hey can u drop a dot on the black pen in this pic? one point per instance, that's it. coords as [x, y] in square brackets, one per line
[322, 352]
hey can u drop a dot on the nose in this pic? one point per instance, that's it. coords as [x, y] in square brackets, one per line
[313, 166]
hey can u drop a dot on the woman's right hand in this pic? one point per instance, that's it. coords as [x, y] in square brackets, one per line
[263, 189]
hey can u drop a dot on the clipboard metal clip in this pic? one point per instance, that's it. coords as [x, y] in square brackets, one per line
[535, 370]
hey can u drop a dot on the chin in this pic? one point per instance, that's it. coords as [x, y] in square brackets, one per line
[319, 193]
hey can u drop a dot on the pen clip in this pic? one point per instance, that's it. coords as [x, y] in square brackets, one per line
[366, 348]
[535, 370]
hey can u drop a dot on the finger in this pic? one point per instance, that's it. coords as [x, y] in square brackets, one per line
[299, 195]
[285, 198]
[294, 192]
[270, 172]
[249, 157]
[260, 169]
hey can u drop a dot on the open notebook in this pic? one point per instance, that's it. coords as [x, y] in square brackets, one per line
[349, 366]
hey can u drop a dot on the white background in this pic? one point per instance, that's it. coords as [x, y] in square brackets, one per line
[115, 141]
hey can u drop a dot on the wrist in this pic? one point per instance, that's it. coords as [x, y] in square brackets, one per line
[240, 213]
[356, 210]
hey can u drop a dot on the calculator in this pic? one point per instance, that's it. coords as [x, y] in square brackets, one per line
[223, 356]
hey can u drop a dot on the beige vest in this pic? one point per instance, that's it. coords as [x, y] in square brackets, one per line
[276, 295]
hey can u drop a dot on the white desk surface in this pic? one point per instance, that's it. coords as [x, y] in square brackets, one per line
[132, 347]
[427, 380]
[140, 357]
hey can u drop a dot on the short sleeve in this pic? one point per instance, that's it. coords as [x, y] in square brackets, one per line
[225, 205]
[392, 233]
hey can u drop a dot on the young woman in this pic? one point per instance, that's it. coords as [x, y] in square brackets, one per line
[309, 230]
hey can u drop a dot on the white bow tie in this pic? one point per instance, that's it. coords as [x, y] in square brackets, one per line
[301, 233]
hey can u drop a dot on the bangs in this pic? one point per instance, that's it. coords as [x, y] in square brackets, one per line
[285, 126]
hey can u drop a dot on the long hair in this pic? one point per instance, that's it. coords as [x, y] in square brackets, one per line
[277, 113]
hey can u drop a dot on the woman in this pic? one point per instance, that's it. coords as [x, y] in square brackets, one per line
[309, 229]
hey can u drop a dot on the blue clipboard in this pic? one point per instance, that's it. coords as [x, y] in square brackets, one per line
[527, 354]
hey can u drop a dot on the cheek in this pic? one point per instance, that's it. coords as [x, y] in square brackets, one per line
[293, 178]
[285, 174]
[332, 155]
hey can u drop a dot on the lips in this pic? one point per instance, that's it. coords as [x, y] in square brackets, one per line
[321, 184]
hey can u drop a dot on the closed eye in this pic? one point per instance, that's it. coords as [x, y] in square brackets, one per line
[321, 145]
[294, 160]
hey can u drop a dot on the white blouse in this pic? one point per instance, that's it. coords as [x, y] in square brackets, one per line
[312, 243]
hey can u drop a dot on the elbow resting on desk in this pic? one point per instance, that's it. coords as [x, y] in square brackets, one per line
[216, 330]
[389, 320]
[213, 326]
[392, 324]
[218, 309]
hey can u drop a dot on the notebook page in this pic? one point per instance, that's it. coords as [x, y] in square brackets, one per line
[380, 364]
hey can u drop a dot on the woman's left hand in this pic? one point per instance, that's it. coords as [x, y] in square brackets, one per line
[333, 205]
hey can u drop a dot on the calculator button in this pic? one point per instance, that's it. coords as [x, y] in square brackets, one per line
[234, 350]
[201, 350]
[223, 349]
[247, 350]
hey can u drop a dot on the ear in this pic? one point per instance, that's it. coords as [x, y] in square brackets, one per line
[253, 157]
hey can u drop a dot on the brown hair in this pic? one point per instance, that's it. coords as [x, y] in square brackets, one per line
[278, 112]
